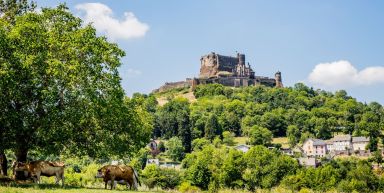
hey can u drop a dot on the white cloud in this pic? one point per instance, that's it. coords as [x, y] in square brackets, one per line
[102, 18]
[131, 73]
[343, 74]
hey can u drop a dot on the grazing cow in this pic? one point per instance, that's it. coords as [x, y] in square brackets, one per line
[36, 169]
[120, 173]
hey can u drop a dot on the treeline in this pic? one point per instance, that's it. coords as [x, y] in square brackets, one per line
[298, 112]
[212, 168]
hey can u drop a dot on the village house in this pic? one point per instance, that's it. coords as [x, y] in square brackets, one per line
[315, 147]
[329, 145]
[359, 143]
[338, 145]
[152, 145]
[342, 143]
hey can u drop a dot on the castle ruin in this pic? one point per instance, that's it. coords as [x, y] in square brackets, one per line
[225, 70]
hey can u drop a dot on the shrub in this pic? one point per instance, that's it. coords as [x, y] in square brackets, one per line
[169, 178]
[151, 175]
[228, 138]
[186, 187]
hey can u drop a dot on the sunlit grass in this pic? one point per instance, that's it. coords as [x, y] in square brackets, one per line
[240, 140]
[49, 188]
[281, 140]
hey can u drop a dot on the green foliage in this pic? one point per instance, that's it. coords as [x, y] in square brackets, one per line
[60, 86]
[228, 138]
[165, 178]
[161, 146]
[186, 187]
[293, 134]
[9, 9]
[140, 159]
[275, 122]
[231, 170]
[345, 175]
[217, 142]
[175, 149]
[151, 176]
[309, 112]
[260, 136]
[377, 157]
[265, 168]
[198, 167]
[172, 119]
[212, 127]
[199, 143]
[169, 178]
[209, 90]
[86, 178]
[213, 168]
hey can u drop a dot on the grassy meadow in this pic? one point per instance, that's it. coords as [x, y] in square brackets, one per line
[44, 188]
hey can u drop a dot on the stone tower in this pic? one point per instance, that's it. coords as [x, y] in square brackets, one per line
[279, 81]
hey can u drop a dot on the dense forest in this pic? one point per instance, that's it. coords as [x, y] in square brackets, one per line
[298, 112]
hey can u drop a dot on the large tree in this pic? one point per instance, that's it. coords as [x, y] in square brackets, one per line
[172, 119]
[60, 88]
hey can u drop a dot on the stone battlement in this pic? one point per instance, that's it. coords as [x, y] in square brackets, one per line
[225, 70]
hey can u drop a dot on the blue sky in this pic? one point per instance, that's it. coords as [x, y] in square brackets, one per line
[326, 44]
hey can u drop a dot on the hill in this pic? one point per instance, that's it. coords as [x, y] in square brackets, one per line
[296, 112]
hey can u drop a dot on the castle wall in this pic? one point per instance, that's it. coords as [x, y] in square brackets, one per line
[172, 85]
[225, 70]
[226, 63]
[213, 63]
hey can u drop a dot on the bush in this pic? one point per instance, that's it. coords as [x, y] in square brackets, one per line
[151, 175]
[228, 138]
[165, 178]
[169, 178]
[186, 187]
[86, 178]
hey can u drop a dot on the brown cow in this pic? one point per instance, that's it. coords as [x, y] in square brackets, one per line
[120, 173]
[35, 169]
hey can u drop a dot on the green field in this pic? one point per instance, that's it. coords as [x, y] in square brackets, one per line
[65, 190]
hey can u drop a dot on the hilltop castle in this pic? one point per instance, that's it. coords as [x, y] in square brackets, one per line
[225, 70]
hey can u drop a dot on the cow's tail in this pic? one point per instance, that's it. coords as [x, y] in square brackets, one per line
[136, 177]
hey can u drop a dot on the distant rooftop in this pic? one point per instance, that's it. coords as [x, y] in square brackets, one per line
[317, 141]
[342, 138]
[360, 139]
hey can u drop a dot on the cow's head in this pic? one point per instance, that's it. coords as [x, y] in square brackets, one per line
[100, 173]
[19, 166]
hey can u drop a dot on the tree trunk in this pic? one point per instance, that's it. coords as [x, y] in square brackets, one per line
[4, 163]
[21, 154]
